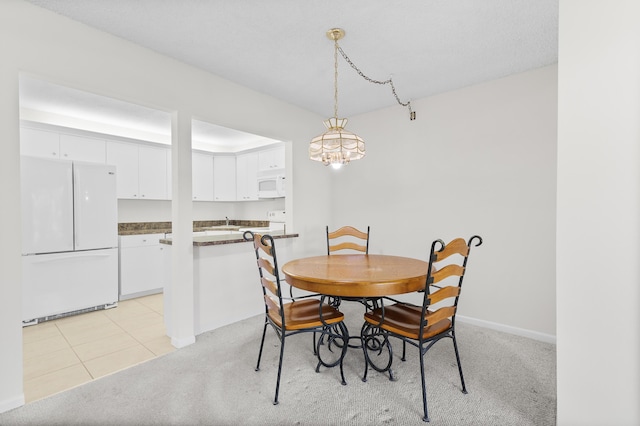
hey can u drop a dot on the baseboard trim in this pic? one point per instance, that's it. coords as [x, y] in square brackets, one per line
[185, 341]
[10, 404]
[543, 337]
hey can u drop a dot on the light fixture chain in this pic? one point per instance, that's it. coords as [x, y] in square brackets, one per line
[371, 80]
[335, 79]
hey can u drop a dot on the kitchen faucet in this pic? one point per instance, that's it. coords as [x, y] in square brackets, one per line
[226, 217]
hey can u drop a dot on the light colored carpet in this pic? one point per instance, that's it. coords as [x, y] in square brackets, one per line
[511, 381]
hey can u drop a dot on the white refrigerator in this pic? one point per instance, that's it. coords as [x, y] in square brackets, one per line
[69, 238]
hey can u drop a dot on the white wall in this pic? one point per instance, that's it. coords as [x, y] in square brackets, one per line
[10, 273]
[491, 124]
[598, 244]
[48, 46]
[480, 160]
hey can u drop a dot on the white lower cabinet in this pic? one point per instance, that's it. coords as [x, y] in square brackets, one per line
[141, 270]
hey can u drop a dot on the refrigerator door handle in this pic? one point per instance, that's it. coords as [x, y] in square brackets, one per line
[69, 255]
[76, 216]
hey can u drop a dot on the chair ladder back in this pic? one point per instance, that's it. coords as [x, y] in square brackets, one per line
[456, 268]
[347, 245]
[443, 293]
[451, 270]
[457, 246]
[269, 276]
[266, 265]
[433, 317]
[270, 286]
[348, 231]
[271, 304]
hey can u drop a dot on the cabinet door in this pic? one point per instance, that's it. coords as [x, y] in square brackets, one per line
[224, 178]
[125, 157]
[80, 148]
[169, 176]
[152, 173]
[272, 158]
[39, 143]
[247, 176]
[141, 260]
[202, 175]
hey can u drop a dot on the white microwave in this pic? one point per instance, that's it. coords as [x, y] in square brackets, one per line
[271, 186]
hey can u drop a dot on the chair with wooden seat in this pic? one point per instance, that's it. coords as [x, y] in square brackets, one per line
[347, 238]
[423, 326]
[289, 316]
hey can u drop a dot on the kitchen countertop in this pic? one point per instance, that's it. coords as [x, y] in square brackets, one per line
[214, 240]
[140, 228]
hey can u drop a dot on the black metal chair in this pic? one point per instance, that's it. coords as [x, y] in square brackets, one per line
[422, 326]
[348, 239]
[296, 315]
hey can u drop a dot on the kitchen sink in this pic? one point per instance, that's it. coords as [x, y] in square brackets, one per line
[221, 228]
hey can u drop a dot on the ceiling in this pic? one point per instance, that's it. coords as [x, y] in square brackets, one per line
[280, 47]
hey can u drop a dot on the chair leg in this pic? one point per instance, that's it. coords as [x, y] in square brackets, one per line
[343, 335]
[455, 347]
[264, 332]
[314, 344]
[404, 350]
[424, 388]
[345, 346]
[275, 401]
[364, 351]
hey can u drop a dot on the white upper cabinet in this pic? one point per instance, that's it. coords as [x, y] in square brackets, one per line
[272, 158]
[141, 170]
[125, 157]
[202, 175]
[224, 178]
[169, 175]
[43, 143]
[39, 143]
[247, 176]
[80, 148]
[152, 172]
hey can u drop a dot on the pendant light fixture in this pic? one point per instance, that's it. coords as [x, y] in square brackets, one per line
[336, 146]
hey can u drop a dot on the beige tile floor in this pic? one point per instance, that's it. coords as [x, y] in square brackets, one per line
[64, 353]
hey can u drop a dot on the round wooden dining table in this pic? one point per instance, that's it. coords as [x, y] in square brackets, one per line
[357, 275]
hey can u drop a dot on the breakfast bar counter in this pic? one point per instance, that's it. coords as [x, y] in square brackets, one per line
[226, 285]
[216, 240]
